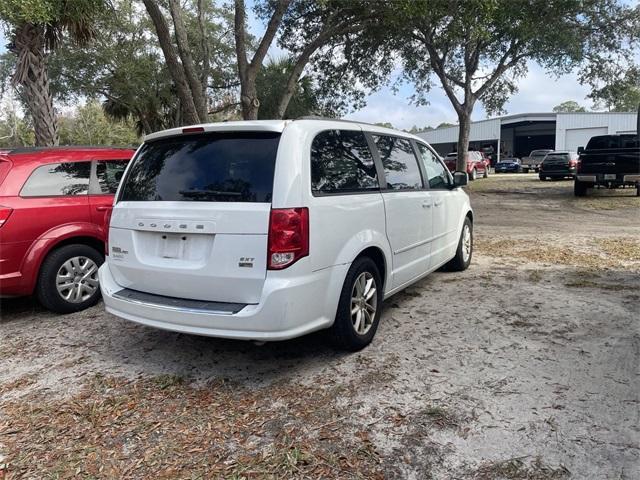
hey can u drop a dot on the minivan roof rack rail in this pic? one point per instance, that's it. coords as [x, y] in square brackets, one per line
[319, 117]
[17, 150]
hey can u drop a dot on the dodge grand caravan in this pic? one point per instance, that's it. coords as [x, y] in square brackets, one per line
[268, 230]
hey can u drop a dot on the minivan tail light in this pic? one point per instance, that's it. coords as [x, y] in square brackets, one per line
[5, 213]
[107, 225]
[288, 238]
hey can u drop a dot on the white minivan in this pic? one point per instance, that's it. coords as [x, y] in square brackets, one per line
[268, 230]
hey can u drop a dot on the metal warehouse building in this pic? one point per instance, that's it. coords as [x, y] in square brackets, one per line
[518, 134]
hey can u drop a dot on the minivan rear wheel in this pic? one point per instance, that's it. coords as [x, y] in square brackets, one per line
[68, 280]
[359, 306]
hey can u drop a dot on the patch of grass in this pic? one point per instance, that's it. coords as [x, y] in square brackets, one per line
[605, 201]
[535, 276]
[602, 286]
[622, 249]
[517, 469]
[165, 381]
[621, 253]
[165, 428]
[440, 417]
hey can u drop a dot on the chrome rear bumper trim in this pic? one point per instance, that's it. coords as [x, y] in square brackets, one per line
[178, 304]
[586, 178]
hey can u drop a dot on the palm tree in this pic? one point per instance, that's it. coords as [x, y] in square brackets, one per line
[36, 29]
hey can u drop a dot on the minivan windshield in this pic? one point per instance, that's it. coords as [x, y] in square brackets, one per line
[208, 167]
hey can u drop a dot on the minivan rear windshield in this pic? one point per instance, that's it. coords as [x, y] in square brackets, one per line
[209, 167]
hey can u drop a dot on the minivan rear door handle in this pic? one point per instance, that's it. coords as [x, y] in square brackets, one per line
[426, 204]
[103, 208]
[437, 203]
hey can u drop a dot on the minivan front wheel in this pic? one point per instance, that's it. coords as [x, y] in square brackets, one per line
[359, 309]
[464, 252]
[68, 280]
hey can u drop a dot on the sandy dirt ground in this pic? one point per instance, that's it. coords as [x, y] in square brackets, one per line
[525, 366]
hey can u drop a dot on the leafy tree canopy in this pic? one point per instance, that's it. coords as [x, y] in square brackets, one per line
[569, 106]
[306, 100]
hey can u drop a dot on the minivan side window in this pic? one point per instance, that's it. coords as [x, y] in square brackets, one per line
[58, 179]
[341, 162]
[109, 173]
[399, 162]
[437, 175]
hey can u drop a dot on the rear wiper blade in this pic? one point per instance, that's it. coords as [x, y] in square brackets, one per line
[208, 193]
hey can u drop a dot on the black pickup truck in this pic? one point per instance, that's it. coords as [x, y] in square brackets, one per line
[609, 161]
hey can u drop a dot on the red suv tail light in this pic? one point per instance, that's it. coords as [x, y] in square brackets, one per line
[5, 213]
[573, 163]
[288, 237]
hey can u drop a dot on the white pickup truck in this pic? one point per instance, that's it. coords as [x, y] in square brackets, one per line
[533, 161]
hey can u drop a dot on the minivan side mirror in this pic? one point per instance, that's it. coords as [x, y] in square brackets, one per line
[580, 150]
[460, 179]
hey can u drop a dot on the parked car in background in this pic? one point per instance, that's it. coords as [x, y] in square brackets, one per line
[475, 164]
[487, 163]
[268, 230]
[609, 161]
[558, 164]
[508, 165]
[533, 161]
[54, 208]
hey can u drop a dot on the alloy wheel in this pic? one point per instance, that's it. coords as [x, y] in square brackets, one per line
[466, 243]
[77, 279]
[364, 303]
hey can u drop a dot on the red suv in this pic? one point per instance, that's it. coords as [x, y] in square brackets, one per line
[54, 209]
[476, 164]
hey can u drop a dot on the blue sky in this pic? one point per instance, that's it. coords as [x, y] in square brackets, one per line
[538, 92]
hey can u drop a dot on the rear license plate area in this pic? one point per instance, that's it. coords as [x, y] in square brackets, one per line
[609, 176]
[173, 245]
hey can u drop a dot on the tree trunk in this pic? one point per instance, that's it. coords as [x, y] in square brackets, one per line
[173, 64]
[464, 120]
[187, 61]
[249, 99]
[294, 76]
[204, 44]
[248, 70]
[31, 74]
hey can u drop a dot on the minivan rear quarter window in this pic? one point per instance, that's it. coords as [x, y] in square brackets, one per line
[209, 167]
[341, 162]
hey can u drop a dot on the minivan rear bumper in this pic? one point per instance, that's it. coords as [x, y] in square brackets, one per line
[290, 306]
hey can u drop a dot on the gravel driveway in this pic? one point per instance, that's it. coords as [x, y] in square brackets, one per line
[526, 366]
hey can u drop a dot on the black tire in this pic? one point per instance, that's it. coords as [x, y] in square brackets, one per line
[486, 172]
[343, 332]
[543, 178]
[525, 170]
[46, 289]
[474, 174]
[579, 189]
[638, 190]
[458, 263]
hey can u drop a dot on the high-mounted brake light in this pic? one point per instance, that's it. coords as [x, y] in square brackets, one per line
[193, 130]
[288, 237]
[5, 213]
